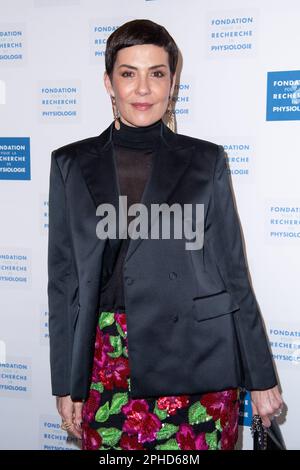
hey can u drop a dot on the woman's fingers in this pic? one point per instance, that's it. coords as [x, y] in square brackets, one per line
[260, 411]
[276, 401]
[75, 432]
[77, 416]
[66, 412]
[266, 403]
[254, 409]
[266, 421]
[66, 408]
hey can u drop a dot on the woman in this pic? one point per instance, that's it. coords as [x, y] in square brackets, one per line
[149, 341]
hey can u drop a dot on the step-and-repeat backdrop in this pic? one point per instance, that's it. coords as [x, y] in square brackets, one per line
[239, 87]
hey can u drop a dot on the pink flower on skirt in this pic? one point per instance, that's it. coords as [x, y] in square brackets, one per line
[140, 421]
[114, 373]
[130, 443]
[229, 435]
[91, 439]
[187, 440]
[102, 347]
[220, 405]
[91, 405]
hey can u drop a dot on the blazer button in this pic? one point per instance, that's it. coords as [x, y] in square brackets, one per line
[175, 318]
[129, 281]
[172, 275]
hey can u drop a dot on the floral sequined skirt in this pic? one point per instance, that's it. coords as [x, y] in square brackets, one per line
[114, 421]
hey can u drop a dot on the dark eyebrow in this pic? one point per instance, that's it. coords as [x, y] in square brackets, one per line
[135, 68]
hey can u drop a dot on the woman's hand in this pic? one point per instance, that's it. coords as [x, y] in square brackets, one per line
[266, 403]
[71, 413]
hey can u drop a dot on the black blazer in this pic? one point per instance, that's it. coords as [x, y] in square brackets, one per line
[193, 322]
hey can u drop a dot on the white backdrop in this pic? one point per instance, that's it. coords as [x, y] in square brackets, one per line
[239, 87]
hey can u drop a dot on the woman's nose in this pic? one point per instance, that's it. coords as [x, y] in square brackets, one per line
[143, 86]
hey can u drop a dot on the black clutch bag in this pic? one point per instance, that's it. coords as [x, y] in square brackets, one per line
[266, 438]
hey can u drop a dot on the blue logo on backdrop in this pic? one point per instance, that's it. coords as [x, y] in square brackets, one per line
[239, 157]
[59, 100]
[182, 97]
[285, 344]
[12, 44]
[232, 33]
[44, 326]
[15, 378]
[99, 32]
[245, 413]
[283, 96]
[283, 221]
[53, 438]
[14, 158]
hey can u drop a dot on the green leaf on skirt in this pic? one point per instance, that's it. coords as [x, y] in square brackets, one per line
[171, 444]
[110, 436]
[120, 331]
[97, 386]
[106, 319]
[102, 413]
[162, 414]
[167, 430]
[212, 440]
[116, 342]
[218, 425]
[197, 414]
[119, 399]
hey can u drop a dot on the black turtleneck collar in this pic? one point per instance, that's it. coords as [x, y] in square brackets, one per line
[137, 137]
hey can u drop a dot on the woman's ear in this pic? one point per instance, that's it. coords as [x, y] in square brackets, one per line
[108, 84]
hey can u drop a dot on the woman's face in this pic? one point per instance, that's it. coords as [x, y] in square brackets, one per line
[141, 84]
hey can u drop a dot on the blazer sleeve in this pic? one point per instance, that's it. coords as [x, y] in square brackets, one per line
[59, 261]
[224, 234]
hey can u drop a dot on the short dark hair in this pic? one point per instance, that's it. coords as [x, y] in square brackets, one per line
[137, 32]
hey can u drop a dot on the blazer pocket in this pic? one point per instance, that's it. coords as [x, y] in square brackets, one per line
[213, 306]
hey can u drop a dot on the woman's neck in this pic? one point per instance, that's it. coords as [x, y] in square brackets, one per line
[137, 137]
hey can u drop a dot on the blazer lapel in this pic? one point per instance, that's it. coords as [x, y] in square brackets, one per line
[98, 168]
[96, 162]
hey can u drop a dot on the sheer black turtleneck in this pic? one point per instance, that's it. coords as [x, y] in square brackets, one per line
[134, 149]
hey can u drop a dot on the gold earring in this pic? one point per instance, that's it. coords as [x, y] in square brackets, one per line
[116, 113]
[171, 123]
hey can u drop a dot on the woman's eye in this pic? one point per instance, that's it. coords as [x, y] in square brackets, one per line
[159, 73]
[126, 74]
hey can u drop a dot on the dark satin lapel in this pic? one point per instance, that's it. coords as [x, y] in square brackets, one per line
[98, 169]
